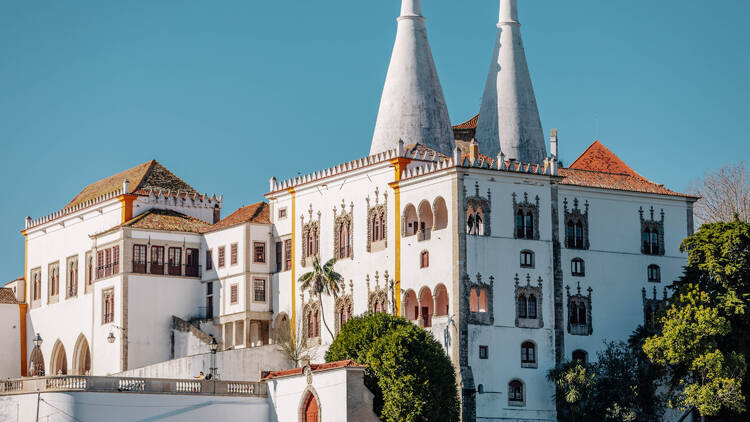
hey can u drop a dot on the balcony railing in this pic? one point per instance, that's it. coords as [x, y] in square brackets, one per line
[132, 385]
[186, 270]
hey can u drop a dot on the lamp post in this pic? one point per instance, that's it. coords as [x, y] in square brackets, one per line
[213, 346]
[39, 372]
[111, 336]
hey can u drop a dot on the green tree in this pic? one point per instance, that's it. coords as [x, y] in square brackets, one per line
[322, 280]
[574, 391]
[705, 333]
[407, 370]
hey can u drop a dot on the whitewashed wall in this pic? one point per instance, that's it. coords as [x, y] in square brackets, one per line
[10, 346]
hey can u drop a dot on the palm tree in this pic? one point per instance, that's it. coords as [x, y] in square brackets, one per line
[322, 280]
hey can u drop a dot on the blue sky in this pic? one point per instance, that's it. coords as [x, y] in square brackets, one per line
[228, 93]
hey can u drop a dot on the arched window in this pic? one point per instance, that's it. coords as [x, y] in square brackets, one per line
[581, 313]
[577, 267]
[520, 232]
[579, 236]
[529, 223]
[515, 393]
[410, 221]
[654, 242]
[474, 301]
[479, 222]
[571, 235]
[310, 411]
[441, 300]
[527, 259]
[654, 274]
[483, 305]
[411, 306]
[426, 220]
[528, 355]
[426, 304]
[580, 355]
[646, 239]
[424, 259]
[441, 213]
[532, 307]
[522, 307]
[344, 240]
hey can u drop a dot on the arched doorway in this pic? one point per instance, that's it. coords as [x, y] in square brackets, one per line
[282, 331]
[36, 363]
[81, 357]
[310, 409]
[59, 360]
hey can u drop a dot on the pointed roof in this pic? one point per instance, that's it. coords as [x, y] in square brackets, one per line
[509, 117]
[164, 220]
[412, 106]
[469, 124]
[7, 297]
[149, 175]
[598, 167]
[255, 213]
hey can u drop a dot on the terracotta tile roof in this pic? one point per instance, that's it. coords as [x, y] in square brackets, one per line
[256, 213]
[149, 175]
[313, 366]
[165, 220]
[599, 167]
[7, 297]
[469, 124]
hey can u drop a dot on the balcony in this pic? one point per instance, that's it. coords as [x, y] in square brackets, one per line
[183, 270]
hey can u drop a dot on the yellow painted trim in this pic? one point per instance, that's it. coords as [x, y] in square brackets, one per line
[294, 262]
[399, 165]
[127, 206]
[22, 327]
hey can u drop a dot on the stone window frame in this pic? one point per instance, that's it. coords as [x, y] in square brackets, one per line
[307, 308]
[234, 294]
[480, 318]
[514, 402]
[576, 216]
[35, 275]
[526, 207]
[89, 271]
[377, 210]
[477, 202]
[424, 259]
[652, 307]
[256, 255]
[582, 272]
[312, 227]
[71, 277]
[526, 291]
[222, 256]
[343, 302]
[653, 273]
[484, 352]
[380, 296]
[529, 363]
[339, 220]
[53, 280]
[651, 225]
[265, 289]
[527, 252]
[578, 299]
[234, 254]
[282, 214]
[107, 296]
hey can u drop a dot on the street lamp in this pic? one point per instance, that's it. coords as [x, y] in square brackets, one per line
[111, 336]
[213, 346]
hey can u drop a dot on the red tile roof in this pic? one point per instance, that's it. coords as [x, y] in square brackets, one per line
[165, 220]
[314, 367]
[256, 213]
[599, 167]
[469, 124]
[149, 175]
[7, 297]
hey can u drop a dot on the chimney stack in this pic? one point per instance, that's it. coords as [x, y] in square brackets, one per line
[473, 151]
[125, 187]
[28, 221]
[553, 144]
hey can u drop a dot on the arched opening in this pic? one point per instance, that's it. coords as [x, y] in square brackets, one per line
[528, 354]
[426, 307]
[441, 213]
[425, 220]
[36, 363]
[532, 307]
[441, 300]
[411, 306]
[470, 220]
[521, 304]
[580, 356]
[411, 222]
[520, 233]
[515, 393]
[474, 301]
[483, 306]
[281, 329]
[81, 357]
[59, 360]
[310, 409]
[479, 222]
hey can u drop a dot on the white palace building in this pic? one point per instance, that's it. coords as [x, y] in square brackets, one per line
[476, 232]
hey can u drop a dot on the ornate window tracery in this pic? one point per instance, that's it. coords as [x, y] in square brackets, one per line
[344, 308]
[478, 211]
[652, 234]
[481, 306]
[310, 238]
[311, 321]
[377, 227]
[342, 232]
[529, 303]
[526, 218]
[579, 312]
[576, 225]
[380, 299]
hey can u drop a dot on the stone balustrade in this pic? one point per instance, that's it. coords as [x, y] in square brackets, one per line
[73, 383]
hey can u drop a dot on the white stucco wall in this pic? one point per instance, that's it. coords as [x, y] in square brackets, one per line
[10, 345]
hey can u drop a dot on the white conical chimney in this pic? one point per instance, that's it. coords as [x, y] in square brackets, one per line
[412, 107]
[509, 117]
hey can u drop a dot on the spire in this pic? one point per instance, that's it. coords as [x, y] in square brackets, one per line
[412, 107]
[509, 117]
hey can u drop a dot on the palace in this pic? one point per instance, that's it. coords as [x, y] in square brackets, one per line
[512, 260]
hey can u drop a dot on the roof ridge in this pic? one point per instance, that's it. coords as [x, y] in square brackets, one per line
[151, 165]
[591, 161]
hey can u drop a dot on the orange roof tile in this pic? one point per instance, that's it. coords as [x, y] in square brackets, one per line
[597, 157]
[469, 124]
[148, 175]
[256, 213]
[314, 367]
[7, 297]
[165, 220]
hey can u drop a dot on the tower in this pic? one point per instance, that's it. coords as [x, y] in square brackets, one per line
[412, 107]
[509, 117]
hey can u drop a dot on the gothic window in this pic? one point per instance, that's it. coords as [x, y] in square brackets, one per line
[71, 280]
[342, 232]
[515, 393]
[377, 227]
[654, 274]
[377, 299]
[576, 225]
[526, 218]
[310, 238]
[311, 322]
[529, 304]
[652, 308]
[528, 355]
[480, 300]
[36, 286]
[579, 312]
[108, 306]
[580, 356]
[577, 267]
[527, 259]
[344, 310]
[424, 259]
[478, 213]
[652, 234]
[53, 281]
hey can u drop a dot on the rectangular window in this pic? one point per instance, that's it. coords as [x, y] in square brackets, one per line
[53, 278]
[259, 290]
[36, 284]
[278, 251]
[209, 300]
[157, 260]
[234, 294]
[108, 306]
[233, 254]
[287, 254]
[221, 257]
[139, 259]
[483, 352]
[282, 213]
[175, 261]
[209, 260]
[424, 259]
[259, 255]
[116, 259]
[100, 264]
[191, 262]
